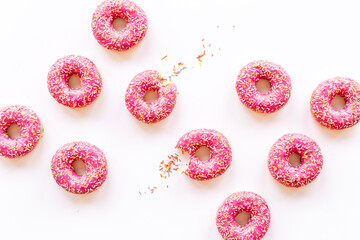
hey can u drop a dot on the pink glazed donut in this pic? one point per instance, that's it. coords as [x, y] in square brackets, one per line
[154, 111]
[60, 73]
[321, 103]
[279, 92]
[64, 174]
[220, 153]
[31, 131]
[243, 202]
[283, 171]
[107, 36]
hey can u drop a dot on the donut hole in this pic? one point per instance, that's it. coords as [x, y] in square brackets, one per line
[74, 82]
[338, 102]
[203, 153]
[119, 24]
[263, 86]
[79, 167]
[13, 131]
[242, 218]
[151, 95]
[295, 159]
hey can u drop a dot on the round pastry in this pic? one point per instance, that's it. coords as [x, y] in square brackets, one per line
[60, 73]
[153, 112]
[31, 131]
[283, 171]
[238, 202]
[63, 171]
[105, 33]
[278, 94]
[220, 153]
[322, 96]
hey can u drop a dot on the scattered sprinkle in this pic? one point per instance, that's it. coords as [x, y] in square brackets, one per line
[170, 165]
[200, 56]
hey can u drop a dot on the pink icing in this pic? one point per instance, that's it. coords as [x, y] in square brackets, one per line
[64, 174]
[107, 36]
[279, 92]
[155, 111]
[31, 131]
[220, 153]
[283, 171]
[60, 73]
[321, 103]
[243, 202]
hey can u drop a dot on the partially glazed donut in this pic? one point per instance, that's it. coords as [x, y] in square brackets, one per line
[60, 73]
[220, 153]
[238, 202]
[278, 94]
[107, 36]
[154, 111]
[322, 96]
[64, 174]
[311, 160]
[31, 131]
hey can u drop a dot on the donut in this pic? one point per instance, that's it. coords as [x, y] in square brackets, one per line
[320, 103]
[278, 94]
[238, 202]
[105, 33]
[30, 133]
[154, 111]
[63, 171]
[283, 171]
[220, 153]
[60, 73]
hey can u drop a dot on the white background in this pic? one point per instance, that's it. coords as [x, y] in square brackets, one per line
[313, 40]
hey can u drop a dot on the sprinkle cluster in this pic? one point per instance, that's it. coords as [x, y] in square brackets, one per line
[170, 165]
[283, 171]
[107, 36]
[279, 92]
[243, 202]
[220, 153]
[155, 111]
[64, 174]
[60, 73]
[31, 131]
[321, 103]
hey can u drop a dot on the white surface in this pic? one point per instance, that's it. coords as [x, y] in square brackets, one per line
[312, 40]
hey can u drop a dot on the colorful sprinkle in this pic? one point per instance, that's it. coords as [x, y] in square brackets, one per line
[168, 166]
[200, 56]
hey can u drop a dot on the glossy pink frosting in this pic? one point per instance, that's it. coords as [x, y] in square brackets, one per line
[64, 174]
[107, 36]
[154, 111]
[60, 73]
[31, 131]
[278, 94]
[322, 96]
[243, 202]
[220, 153]
[283, 171]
